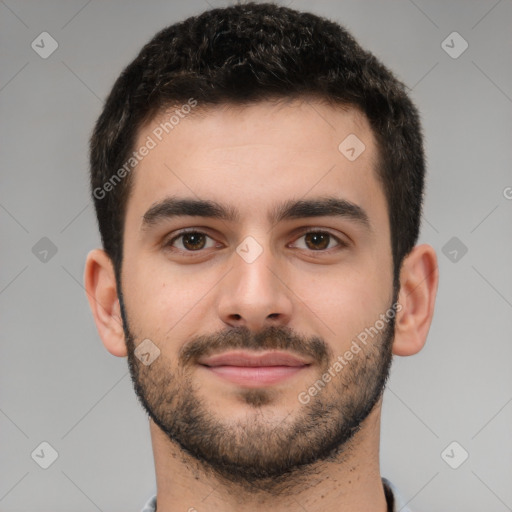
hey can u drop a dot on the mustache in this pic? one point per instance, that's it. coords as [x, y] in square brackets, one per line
[270, 338]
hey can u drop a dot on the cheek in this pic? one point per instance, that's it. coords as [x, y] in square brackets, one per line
[341, 305]
[159, 300]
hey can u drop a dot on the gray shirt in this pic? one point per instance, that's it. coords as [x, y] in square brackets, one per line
[393, 498]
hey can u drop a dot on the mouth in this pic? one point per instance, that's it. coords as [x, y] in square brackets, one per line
[254, 369]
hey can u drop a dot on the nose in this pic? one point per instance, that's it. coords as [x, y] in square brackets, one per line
[254, 294]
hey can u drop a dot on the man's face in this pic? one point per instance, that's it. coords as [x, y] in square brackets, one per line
[258, 284]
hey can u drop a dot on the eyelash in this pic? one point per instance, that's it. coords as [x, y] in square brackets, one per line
[169, 244]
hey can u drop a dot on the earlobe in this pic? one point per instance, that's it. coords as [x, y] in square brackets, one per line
[418, 288]
[100, 285]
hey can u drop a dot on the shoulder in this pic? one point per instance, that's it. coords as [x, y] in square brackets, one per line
[393, 497]
[150, 505]
[395, 501]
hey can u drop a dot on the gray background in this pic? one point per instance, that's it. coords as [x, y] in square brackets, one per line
[57, 382]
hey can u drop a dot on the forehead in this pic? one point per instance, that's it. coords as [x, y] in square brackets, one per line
[257, 156]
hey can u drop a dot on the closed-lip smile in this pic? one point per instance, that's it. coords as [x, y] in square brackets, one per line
[254, 369]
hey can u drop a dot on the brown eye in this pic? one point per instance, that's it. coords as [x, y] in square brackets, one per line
[193, 241]
[317, 241]
[190, 241]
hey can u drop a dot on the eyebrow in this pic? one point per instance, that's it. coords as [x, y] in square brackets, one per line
[172, 207]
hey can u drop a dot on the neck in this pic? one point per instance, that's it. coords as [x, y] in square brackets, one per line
[349, 481]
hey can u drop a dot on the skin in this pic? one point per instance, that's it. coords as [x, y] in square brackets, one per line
[252, 159]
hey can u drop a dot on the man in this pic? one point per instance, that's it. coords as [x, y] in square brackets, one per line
[258, 182]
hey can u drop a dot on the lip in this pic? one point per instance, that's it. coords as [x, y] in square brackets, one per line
[254, 369]
[244, 358]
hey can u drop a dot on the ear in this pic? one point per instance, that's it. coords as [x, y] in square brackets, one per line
[419, 278]
[100, 285]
